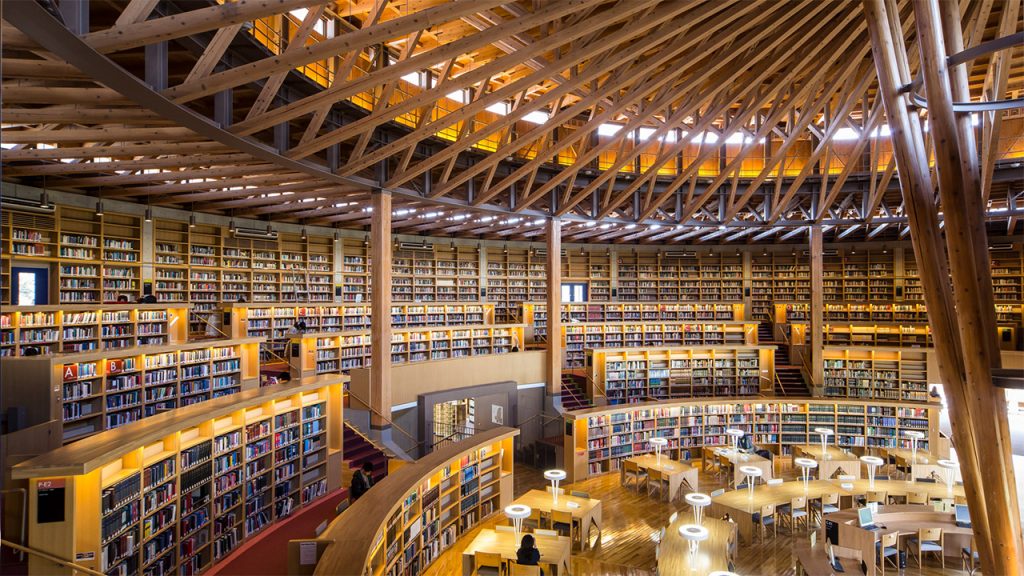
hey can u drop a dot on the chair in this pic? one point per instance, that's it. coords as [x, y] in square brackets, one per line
[917, 498]
[562, 522]
[880, 496]
[969, 557]
[503, 528]
[534, 521]
[579, 494]
[927, 540]
[560, 490]
[794, 512]
[631, 470]
[887, 546]
[656, 480]
[828, 504]
[523, 570]
[488, 564]
[766, 518]
[545, 532]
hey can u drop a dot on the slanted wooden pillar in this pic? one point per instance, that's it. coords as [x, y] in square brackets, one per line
[977, 410]
[554, 270]
[817, 325]
[380, 319]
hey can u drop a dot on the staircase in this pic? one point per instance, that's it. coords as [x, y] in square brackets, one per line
[359, 450]
[573, 396]
[790, 381]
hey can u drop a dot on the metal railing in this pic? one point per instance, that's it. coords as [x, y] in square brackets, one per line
[51, 558]
[445, 434]
[203, 319]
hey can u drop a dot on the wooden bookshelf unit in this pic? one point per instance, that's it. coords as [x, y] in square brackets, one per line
[89, 392]
[535, 313]
[422, 509]
[334, 352]
[598, 439]
[85, 327]
[577, 337]
[621, 376]
[177, 493]
[876, 373]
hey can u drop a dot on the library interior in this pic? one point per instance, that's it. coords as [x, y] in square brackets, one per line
[421, 287]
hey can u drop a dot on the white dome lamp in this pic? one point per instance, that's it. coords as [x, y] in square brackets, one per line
[805, 464]
[752, 473]
[914, 436]
[555, 476]
[699, 502]
[735, 434]
[658, 444]
[872, 462]
[950, 467]
[824, 433]
[517, 513]
[694, 535]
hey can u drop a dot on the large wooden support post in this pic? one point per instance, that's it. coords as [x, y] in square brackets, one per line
[554, 270]
[817, 326]
[971, 423]
[956, 163]
[380, 319]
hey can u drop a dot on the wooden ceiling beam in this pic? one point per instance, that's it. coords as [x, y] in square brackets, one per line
[114, 150]
[126, 165]
[295, 44]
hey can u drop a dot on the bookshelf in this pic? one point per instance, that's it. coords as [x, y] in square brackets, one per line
[577, 337]
[665, 277]
[435, 273]
[877, 373]
[333, 352]
[598, 439]
[422, 509]
[180, 492]
[89, 392]
[535, 313]
[1008, 273]
[777, 277]
[355, 270]
[624, 376]
[514, 276]
[81, 328]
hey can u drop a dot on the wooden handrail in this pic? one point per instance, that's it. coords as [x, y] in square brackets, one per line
[51, 558]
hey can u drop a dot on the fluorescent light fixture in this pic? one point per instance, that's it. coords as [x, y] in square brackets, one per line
[501, 108]
[611, 129]
[536, 117]
[459, 96]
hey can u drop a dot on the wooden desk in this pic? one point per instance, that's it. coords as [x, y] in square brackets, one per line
[814, 561]
[925, 464]
[714, 554]
[739, 505]
[906, 520]
[554, 550]
[677, 472]
[935, 490]
[587, 510]
[739, 459]
[837, 461]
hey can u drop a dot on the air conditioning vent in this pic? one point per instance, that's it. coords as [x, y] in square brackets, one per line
[678, 254]
[424, 247]
[544, 252]
[1000, 247]
[255, 233]
[823, 253]
[26, 205]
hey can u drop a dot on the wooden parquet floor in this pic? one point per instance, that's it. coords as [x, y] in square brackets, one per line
[626, 546]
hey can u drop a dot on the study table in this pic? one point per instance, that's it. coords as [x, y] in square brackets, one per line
[837, 461]
[713, 554]
[677, 472]
[554, 550]
[923, 466]
[906, 520]
[741, 507]
[583, 510]
[740, 459]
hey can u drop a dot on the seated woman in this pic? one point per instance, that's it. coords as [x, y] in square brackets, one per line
[746, 444]
[528, 555]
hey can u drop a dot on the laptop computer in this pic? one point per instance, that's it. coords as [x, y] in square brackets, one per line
[963, 515]
[865, 519]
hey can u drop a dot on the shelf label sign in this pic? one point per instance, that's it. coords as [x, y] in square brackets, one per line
[115, 366]
[84, 556]
[50, 500]
[70, 372]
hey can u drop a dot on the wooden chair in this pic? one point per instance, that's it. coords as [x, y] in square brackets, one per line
[887, 546]
[488, 564]
[917, 498]
[523, 570]
[536, 520]
[765, 519]
[631, 470]
[880, 496]
[563, 523]
[827, 504]
[794, 512]
[657, 481]
[927, 540]
[969, 557]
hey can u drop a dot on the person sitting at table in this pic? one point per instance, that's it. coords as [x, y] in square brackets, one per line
[746, 444]
[528, 555]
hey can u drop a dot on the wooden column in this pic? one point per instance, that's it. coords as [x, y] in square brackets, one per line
[975, 415]
[554, 270]
[816, 325]
[380, 320]
[956, 161]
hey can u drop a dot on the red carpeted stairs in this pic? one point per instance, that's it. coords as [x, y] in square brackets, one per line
[573, 397]
[358, 450]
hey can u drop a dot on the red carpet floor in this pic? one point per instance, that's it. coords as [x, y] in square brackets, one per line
[267, 553]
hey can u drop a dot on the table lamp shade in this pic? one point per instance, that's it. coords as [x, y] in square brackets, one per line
[699, 502]
[517, 513]
[693, 533]
[873, 462]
